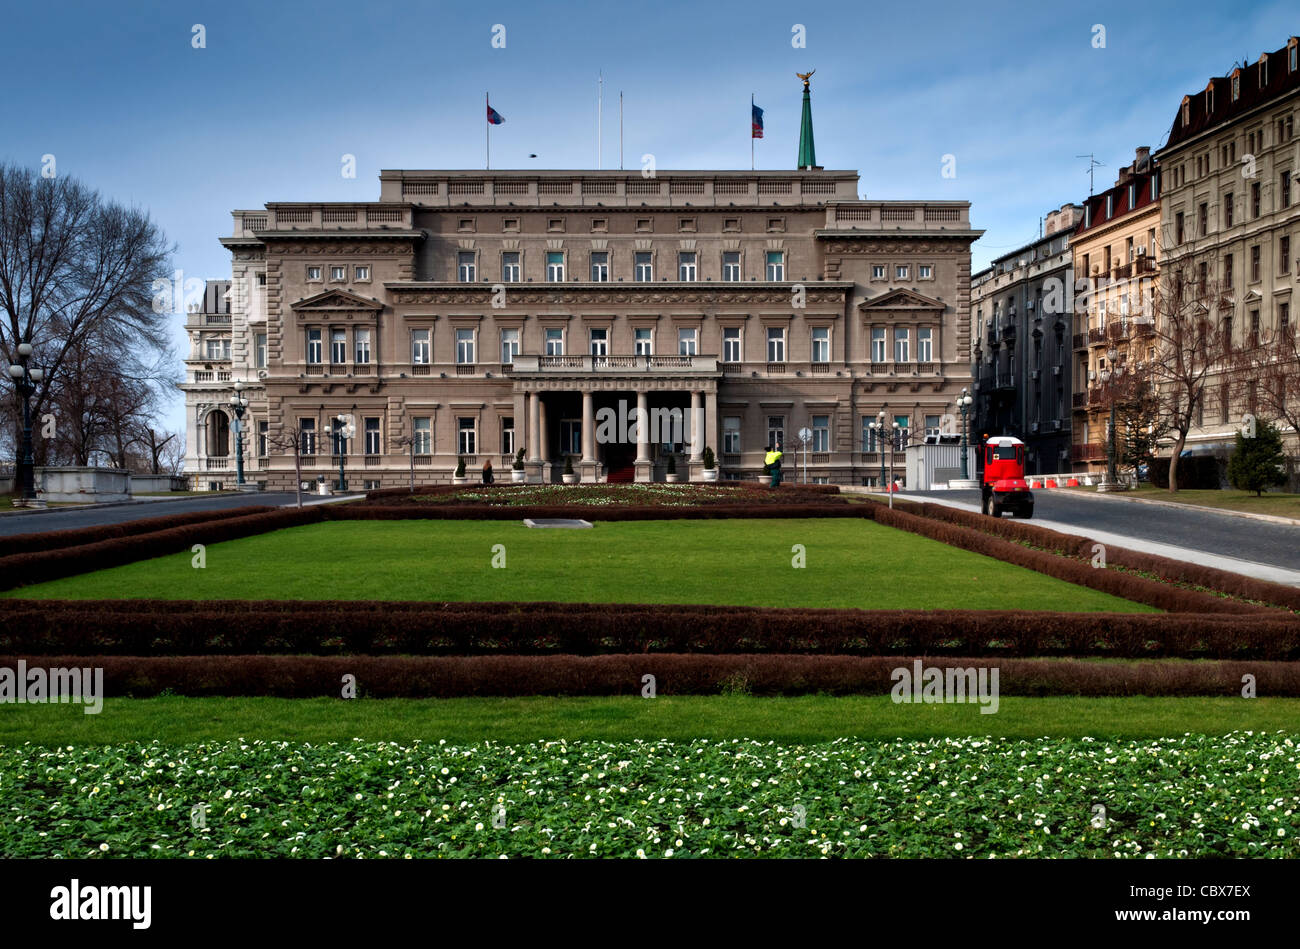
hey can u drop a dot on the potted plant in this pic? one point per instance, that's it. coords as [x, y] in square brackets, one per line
[710, 465]
[459, 477]
[670, 470]
[570, 476]
[517, 473]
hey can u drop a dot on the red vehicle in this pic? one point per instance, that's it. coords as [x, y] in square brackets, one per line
[1004, 487]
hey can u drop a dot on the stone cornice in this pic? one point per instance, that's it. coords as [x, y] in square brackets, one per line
[686, 294]
[897, 242]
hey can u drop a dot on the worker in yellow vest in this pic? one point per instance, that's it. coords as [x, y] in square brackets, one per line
[772, 461]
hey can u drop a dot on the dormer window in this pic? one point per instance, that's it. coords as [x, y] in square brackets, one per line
[1209, 99]
[1187, 112]
[1291, 54]
[1263, 71]
[1110, 206]
[1236, 86]
[1132, 196]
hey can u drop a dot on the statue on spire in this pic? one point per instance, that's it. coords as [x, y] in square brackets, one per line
[807, 152]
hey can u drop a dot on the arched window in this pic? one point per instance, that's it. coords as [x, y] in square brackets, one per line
[218, 435]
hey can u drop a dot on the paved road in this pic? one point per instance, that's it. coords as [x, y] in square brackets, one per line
[67, 518]
[1208, 531]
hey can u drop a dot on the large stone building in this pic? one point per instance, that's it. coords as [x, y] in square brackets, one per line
[473, 313]
[1230, 214]
[1116, 249]
[1021, 345]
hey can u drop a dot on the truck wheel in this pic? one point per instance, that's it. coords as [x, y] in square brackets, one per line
[997, 509]
[986, 504]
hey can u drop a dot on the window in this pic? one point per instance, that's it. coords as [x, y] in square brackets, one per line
[687, 341]
[645, 271]
[509, 345]
[686, 224]
[1284, 255]
[361, 337]
[775, 431]
[361, 273]
[932, 425]
[731, 344]
[1180, 234]
[338, 440]
[1255, 199]
[423, 433]
[600, 224]
[465, 224]
[902, 345]
[878, 344]
[731, 434]
[868, 433]
[338, 273]
[466, 436]
[507, 435]
[555, 224]
[1283, 316]
[315, 348]
[1254, 327]
[1227, 271]
[465, 271]
[776, 224]
[1292, 60]
[1203, 215]
[510, 267]
[555, 342]
[307, 434]
[218, 348]
[644, 224]
[821, 433]
[510, 224]
[263, 437]
[686, 266]
[1227, 209]
[731, 266]
[599, 341]
[600, 266]
[555, 266]
[1224, 403]
[775, 265]
[925, 344]
[420, 346]
[338, 346]
[731, 223]
[1284, 190]
[901, 436]
[259, 351]
[570, 436]
[1254, 263]
[878, 272]
[821, 344]
[464, 347]
[313, 273]
[1227, 334]
[900, 272]
[925, 272]
[372, 435]
[775, 344]
[643, 344]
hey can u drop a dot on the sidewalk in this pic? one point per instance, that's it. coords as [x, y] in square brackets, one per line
[1125, 496]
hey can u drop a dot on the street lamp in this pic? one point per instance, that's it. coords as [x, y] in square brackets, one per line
[1107, 374]
[238, 405]
[964, 403]
[882, 431]
[341, 436]
[25, 380]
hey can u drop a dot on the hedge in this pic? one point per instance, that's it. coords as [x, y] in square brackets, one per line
[158, 627]
[434, 489]
[675, 674]
[21, 569]
[648, 512]
[54, 540]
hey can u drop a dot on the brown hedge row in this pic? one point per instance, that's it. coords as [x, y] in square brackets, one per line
[502, 512]
[157, 627]
[54, 540]
[1139, 589]
[1177, 571]
[21, 569]
[453, 676]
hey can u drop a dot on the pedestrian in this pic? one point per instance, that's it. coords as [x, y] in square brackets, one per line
[487, 471]
[772, 462]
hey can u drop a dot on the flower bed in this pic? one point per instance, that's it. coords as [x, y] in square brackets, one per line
[621, 495]
[950, 798]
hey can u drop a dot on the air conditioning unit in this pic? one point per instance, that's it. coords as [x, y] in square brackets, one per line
[1056, 370]
[1140, 250]
[1033, 426]
[1029, 304]
[1033, 373]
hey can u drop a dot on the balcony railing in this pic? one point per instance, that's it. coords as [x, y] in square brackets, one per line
[1087, 452]
[1005, 380]
[1078, 340]
[1079, 399]
[617, 363]
[1096, 335]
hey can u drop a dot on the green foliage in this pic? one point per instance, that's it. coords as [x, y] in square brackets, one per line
[460, 467]
[1258, 462]
[568, 464]
[709, 461]
[518, 463]
[672, 464]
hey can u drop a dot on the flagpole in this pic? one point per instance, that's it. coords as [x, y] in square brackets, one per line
[620, 130]
[600, 107]
[487, 133]
[751, 131]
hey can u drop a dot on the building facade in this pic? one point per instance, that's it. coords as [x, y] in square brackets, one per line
[1116, 252]
[1021, 355]
[1230, 215]
[470, 314]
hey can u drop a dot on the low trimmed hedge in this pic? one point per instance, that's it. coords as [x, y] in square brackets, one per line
[503, 512]
[457, 676]
[160, 627]
[55, 540]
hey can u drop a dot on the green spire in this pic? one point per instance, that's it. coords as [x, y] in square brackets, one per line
[807, 151]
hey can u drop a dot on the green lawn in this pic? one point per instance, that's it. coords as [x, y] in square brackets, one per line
[1271, 502]
[849, 563]
[175, 719]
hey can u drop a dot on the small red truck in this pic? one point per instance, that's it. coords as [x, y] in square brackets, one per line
[1004, 487]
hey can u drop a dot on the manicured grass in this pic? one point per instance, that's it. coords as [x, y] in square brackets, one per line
[1274, 503]
[849, 563]
[174, 719]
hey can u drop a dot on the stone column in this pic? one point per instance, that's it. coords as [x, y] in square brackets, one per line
[711, 422]
[534, 437]
[543, 443]
[643, 428]
[588, 428]
[697, 425]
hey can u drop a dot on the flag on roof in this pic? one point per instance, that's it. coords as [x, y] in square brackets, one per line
[493, 116]
[756, 122]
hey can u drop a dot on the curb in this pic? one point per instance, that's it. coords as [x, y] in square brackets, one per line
[94, 506]
[1120, 496]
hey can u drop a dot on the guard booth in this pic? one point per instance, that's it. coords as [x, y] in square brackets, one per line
[936, 461]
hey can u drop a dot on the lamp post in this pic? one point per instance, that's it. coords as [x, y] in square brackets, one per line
[1107, 374]
[238, 405]
[882, 431]
[964, 403]
[25, 380]
[341, 436]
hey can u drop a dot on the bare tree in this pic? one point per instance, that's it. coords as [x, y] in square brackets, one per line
[1267, 379]
[290, 439]
[155, 443]
[172, 457]
[75, 269]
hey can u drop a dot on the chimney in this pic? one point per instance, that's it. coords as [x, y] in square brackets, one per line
[1142, 162]
[1125, 174]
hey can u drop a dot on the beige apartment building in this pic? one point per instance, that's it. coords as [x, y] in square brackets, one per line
[1116, 248]
[1230, 215]
[469, 314]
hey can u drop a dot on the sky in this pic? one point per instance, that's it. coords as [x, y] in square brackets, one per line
[278, 92]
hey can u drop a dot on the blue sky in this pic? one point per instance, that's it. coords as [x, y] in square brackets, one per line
[117, 93]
